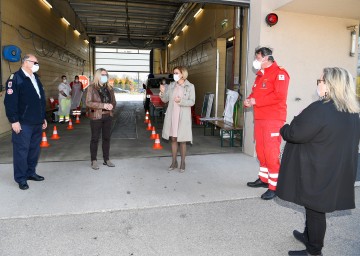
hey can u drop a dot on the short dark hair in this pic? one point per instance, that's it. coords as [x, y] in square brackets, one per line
[63, 76]
[77, 77]
[265, 51]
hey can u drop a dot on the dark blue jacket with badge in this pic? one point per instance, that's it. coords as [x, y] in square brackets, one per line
[22, 102]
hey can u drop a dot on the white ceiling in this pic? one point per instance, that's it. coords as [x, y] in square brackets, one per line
[349, 9]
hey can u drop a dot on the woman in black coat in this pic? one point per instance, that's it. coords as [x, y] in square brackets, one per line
[319, 163]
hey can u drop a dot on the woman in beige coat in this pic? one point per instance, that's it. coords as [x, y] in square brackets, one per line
[177, 124]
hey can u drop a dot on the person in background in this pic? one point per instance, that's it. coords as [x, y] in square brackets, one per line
[148, 94]
[319, 163]
[180, 96]
[76, 96]
[100, 99]
[25, 108]
[64, 100]
[268, 100]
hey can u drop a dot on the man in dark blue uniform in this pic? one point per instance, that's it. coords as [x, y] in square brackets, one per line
[25, 108]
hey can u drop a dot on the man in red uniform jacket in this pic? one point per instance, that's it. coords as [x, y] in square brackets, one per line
[268, 100]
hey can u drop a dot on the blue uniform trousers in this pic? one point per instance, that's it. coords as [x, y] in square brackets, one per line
[26, 151]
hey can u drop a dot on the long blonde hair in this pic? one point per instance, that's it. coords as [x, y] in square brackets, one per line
[341, 89]
[97, 77]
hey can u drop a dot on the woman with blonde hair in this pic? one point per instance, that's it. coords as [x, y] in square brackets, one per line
[319, 163]
[100, 99]
[178, 124]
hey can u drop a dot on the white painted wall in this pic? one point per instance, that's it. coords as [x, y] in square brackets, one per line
[304, 44]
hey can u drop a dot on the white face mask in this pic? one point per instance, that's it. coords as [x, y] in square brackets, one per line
[64, 81]
[256, 64]
[176, 77]
[35, 68]
[103, 79]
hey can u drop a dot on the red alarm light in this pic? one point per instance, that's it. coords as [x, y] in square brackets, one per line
[271, 19]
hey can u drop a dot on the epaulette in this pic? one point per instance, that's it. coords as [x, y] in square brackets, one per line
[11, 77]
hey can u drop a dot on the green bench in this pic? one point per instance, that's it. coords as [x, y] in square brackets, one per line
[227, 131]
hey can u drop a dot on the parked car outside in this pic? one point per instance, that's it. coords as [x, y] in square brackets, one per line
[120, 90]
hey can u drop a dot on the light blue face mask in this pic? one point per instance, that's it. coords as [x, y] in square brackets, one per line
[103, 79]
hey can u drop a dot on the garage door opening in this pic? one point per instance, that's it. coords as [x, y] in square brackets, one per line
[128, 71]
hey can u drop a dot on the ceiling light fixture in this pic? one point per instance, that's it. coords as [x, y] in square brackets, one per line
[198, 12]
[65, 21]
[169, 45]
[231, 38]
[175, 38]
[47, 3]
[184, 28]
[77, 32]
[86, 41]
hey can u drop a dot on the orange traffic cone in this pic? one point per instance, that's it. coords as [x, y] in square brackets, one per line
[153, 133]
[44, 143]
[149, 127]
[157, 143]
[55, 135]
[146, 118]
[70, 126]
[77, 121]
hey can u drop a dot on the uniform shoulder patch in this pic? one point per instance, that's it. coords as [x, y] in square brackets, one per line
[281, 77]
[11, 76]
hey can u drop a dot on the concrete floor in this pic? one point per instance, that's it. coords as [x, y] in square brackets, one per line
[74, 144]
[141, 208]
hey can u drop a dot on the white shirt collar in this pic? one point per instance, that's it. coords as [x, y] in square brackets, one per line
[27, 74]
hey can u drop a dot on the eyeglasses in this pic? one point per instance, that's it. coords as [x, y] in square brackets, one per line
[35, 63]
[319, 81]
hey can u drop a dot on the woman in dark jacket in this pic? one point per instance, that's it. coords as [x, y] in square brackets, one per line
[100, 99]
[318, 167]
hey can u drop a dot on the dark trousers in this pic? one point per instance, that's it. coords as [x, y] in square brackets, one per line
[315, 228]
[103, 127]
[26, 151]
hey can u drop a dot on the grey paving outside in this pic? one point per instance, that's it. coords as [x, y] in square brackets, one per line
[141, 208]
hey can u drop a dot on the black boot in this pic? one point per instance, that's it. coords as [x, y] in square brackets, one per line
[302, 253]
[298, 253]
[301, 237]
[269, 194]
[257, 184]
